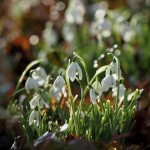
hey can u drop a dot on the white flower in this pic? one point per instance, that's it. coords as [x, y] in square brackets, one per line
[106, 28]
[95, 92]
[114, 67]
[56, 93]
[108, 82]
[93, 96]
[74, 69]
[75, 12]
[31, 84]
[35, 100]
[40, 76]
[34, 118]
[57, 88]
[121, 91]
[98, 88]
[68, 32]
[59, 82]
[127, 32]
[50, 32]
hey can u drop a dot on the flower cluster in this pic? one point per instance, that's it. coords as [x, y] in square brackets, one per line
[112, 76]
[101, 115]
[37, 79]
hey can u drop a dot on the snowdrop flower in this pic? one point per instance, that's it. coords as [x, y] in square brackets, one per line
[121, 92]
[34, 118]
[57, 88]
[48, 33]
[35, 100]
[68, 32]
[101, 26]
[98, 88]
[31, 84]
[93, 95]
[126, 31]
[74, 70]
[108, 82]
[106, 28]
[40, 76]
[75, 12]
[59, 82]
[114, 69]
[95, 92]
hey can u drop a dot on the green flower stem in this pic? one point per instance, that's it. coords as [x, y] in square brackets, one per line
[99, 71]
[53, 115]
[84, 66]
[73, 119]
[39, 111]
[61, 114]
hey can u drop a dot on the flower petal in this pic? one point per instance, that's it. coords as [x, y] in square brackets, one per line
[79, 71]
[72, 71]
[98, 88]
[34, 102]
[34, 118]
[93, 96]
[107, 82]
[59, 82]
[56, 93]
[121, 91]
[39, 75]
[31, 84]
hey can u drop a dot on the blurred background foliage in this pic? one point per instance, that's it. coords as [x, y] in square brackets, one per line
[52, 29]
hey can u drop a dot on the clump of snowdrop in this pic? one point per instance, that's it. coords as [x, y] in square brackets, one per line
[92, 121]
